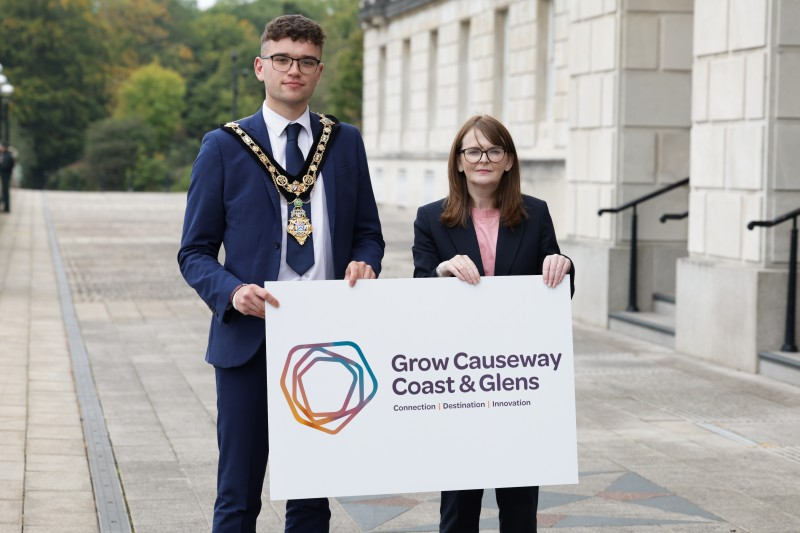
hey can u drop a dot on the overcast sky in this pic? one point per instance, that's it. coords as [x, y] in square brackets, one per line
[205, 4]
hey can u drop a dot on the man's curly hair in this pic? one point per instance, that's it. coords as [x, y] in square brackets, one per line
[295, 27]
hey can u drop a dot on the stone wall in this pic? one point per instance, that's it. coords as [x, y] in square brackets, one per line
[745, 138]
[426, 70]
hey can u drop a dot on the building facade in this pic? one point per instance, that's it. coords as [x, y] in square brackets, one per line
[608, 101]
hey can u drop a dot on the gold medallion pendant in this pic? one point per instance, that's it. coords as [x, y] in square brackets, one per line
[299, 225]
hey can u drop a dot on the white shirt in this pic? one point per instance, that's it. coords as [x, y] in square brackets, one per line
[321, 235]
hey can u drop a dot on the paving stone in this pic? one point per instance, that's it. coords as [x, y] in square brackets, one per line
[54, 521]
[86, 528]
[9, 410]
[11, 471]
[53, 463]
[39, 385]
[12, 437]
[159, 489]
[10, 512]
[144, 453]
[165, 513]
[11, 489]
[12, 452]
[194, 450]
[60, 481]
[91, 311]
[192, 527]
[49, 418]
[60, 431]
[136, 434]
[49, 446]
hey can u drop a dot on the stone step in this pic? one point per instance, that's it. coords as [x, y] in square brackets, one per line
[653, 327]
[664, 304]
[782, 366]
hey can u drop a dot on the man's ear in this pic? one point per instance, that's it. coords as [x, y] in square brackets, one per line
[258, 68]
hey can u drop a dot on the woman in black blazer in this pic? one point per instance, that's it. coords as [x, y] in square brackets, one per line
[486, 226]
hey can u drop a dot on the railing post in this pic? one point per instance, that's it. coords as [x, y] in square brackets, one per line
[632, 280]
[788, 338]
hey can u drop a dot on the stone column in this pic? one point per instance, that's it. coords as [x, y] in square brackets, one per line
[731, 290]
[630, 91]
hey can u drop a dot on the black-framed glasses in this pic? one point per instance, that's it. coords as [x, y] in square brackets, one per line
[283, 63]
[495, 154]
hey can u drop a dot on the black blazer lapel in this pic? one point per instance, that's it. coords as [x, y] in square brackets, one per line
[465, 242]
[508, 243]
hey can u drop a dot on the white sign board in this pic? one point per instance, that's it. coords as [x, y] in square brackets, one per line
[416, 385]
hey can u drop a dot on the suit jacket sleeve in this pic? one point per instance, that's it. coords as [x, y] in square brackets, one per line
[548, 244]
[203, 230]
[426, 253]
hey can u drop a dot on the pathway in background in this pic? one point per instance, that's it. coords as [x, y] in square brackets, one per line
[44, 474]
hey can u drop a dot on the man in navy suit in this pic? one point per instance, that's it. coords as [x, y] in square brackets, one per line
[287, 193]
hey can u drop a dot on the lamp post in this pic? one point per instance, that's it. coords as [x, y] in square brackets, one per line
[6, 90]
[3, 81]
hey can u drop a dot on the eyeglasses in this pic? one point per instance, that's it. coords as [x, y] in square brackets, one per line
[474, 155]
[282, 63]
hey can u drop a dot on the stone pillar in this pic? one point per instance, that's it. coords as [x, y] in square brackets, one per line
[731, 293]
[630, 90]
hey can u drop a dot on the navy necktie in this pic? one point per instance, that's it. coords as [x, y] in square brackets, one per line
[299, 257]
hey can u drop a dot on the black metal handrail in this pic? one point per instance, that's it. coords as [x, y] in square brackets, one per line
[673, 216]
[632, 205]
[789, 344]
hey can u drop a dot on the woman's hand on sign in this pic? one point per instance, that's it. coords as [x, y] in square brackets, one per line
[460, 266]
[554, 269]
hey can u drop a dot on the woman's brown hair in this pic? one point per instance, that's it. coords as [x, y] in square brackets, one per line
[508, 196]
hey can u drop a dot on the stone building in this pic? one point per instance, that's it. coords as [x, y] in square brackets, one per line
[608, 101]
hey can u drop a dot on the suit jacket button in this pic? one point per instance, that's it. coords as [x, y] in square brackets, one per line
[277, 245]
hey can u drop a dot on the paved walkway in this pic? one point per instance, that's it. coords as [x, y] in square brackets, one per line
[666, 442]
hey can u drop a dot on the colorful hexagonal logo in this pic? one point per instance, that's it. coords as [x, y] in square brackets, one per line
[326, 384]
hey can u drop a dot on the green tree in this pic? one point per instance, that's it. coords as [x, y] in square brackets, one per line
[345, 99]
[149, 174]
[137, 31]
[155, 95]
[209, 101]
[342, 81]
[53, 52]
[259, 12]
[113, 148]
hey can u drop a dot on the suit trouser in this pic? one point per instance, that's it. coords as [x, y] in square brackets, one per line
[243, 450]
[460, 510]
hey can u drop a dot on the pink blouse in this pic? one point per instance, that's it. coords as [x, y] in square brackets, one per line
[487, 224]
